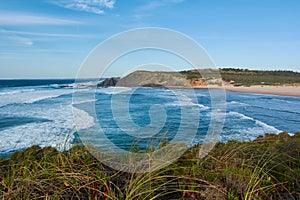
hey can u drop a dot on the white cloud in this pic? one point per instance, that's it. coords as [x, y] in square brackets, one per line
[22, 40]
[153, 4]
[13, 18]
[84, 7]
[93, 6]
[17, 38]
[24, 33]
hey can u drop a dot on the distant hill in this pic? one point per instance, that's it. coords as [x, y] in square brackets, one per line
[195, 78]
[170, 79]
[146, 78]
[259, 77]
[250, 77]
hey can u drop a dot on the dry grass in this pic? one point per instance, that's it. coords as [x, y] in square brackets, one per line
[266, 168]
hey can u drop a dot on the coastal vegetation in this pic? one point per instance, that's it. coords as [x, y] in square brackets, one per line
[194, 78]
[260, 77]
[266, 168]
[249, 77]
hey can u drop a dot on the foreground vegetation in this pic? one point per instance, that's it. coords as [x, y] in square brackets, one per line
[266, 168]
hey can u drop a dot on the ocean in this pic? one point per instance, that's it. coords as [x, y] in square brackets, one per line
[40, 112]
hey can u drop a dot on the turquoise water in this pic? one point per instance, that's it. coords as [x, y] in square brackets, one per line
[41, 113]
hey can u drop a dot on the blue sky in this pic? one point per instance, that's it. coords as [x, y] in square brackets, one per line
[51, 38]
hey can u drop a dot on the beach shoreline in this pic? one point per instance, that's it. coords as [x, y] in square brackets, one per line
[282, 90]
[267, 89]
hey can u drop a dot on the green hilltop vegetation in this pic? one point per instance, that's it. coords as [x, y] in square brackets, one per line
[201, 77]
[266, 168]
[250, 77]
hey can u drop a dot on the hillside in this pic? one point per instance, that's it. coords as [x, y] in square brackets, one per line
[194, 78]
[250, 77]
[169, 79]
[147, 78]
[257, 77]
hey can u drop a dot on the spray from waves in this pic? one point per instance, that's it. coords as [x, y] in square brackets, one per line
[186, 101]
[11, 139]
[113, 90]
[240, 115]
[31, 96]
[46, 97]
[201, 106]
[83, 119]
[79, 85]
[57, 131]
[237, 103]
[15, 92]
[266, 127]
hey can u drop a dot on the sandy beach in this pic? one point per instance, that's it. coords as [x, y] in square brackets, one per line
[282, 90]
[266, 89]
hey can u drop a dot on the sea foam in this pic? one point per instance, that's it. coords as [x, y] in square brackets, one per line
[266, 127]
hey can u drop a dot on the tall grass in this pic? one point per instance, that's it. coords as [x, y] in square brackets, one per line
[266, 168]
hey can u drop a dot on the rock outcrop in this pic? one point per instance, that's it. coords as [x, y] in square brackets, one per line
[109, 82]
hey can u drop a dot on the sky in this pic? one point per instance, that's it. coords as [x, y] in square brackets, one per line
[52, 38]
